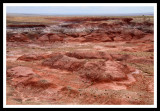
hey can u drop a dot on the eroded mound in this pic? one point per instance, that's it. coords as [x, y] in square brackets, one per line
[104, 71]
[99, 70]
[50, 37]
[20, 71]
[63, 62]
[25, 77]
[89, 55]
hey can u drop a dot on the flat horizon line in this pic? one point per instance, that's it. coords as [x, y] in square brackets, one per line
[52, 14]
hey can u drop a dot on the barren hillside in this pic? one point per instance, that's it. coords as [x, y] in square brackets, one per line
[80, 60]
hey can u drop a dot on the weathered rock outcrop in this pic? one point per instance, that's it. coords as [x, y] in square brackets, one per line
[63, 62]
[101, 71]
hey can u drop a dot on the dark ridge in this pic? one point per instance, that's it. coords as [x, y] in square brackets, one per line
[25, 26]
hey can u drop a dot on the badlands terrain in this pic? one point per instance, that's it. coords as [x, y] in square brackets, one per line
[80, 60]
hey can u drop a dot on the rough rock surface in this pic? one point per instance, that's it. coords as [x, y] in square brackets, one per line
[20, 71]
[104, 71]
[25, 77]
[63, 62]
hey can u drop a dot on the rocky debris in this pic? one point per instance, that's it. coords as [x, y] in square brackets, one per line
[100, 71]
[63, 62]
[18, 38]
[89, 55]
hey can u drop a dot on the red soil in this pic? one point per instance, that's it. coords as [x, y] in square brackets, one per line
[69, 73]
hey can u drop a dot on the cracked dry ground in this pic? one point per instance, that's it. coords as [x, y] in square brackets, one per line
[79, 73]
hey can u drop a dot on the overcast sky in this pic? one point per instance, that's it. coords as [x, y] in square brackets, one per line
[80, 10]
